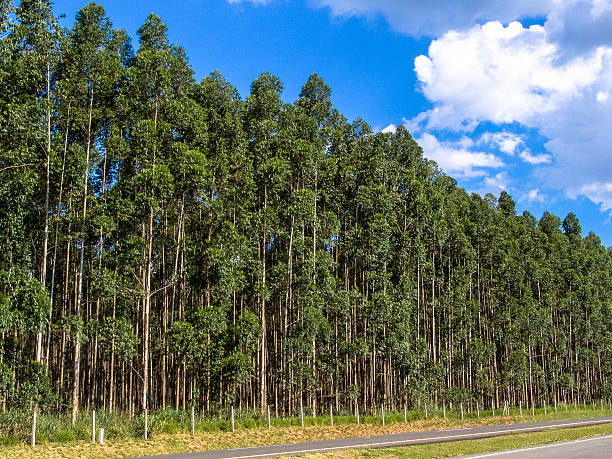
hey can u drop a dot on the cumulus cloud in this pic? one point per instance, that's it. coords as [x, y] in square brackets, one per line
[389, 129]
[436, 17]
[500, 74]
[497, 183]
[533, 196]
[457, 157]
[530, 158]
[513, 74]
[507, 142]
[599, 193]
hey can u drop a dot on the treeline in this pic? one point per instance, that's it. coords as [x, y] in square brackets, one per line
[164, 242]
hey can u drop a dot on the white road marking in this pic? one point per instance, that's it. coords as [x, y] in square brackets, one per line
[404, 442]
[498, 453]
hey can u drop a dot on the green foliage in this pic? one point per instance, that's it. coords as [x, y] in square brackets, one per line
[272, 252]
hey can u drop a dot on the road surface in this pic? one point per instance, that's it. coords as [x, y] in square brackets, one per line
[596, 447]
[388, 441]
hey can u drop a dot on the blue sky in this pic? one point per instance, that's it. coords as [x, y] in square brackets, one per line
[503, 95]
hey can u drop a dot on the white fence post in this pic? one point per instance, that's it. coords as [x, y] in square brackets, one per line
[34, 429]
[93, 426]
[302, 412]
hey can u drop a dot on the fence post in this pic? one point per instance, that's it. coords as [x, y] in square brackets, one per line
[545, 408]
[462, 411]
[382, 411]
[192, 420]
[302, 412]
[331, 415]
[357, 411]
[268, 417]
[426, 411]
[478, 410]
[93, 426]
[146, 422]
[521, 407]
[101, 436]
[406, 413]
[233, 428]
[444, 409]
[34, 430]
[532, 408]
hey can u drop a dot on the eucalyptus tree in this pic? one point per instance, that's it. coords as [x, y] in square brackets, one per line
[214, 251]
[158, 76]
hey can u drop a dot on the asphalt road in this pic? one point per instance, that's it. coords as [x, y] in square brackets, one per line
[596, 447]
[388, 441]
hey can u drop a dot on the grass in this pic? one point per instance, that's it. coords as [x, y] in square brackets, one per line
[169, 431]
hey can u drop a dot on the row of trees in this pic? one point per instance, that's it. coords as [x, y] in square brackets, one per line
[164, 242]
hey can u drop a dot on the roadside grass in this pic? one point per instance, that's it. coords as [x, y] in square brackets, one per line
[169, 430]
[468, 447]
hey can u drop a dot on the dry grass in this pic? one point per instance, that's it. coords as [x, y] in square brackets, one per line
[163, 443]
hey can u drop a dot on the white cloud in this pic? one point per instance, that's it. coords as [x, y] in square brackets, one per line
[599, 193]
[507, 142]
[435, 17]
[500, 74]
[533, 196]
[389, 129]
[514, 74]
[457, 158]
[530, 158]
[497, 183]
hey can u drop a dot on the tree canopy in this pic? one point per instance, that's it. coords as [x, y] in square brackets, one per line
[165, 242]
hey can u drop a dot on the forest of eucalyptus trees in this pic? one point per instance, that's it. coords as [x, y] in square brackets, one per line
[164, 242]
